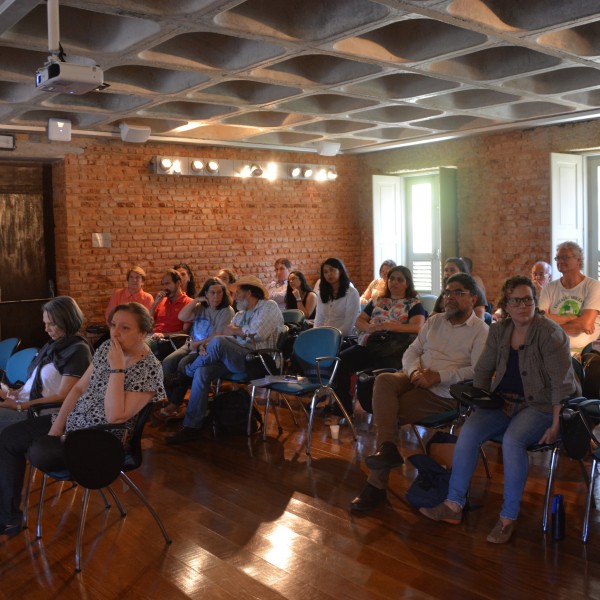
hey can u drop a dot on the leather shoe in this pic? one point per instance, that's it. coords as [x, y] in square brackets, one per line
[442, 512]
[501, 533]
[370, 498]
[10, 530]
[184, 435]
[387, 457]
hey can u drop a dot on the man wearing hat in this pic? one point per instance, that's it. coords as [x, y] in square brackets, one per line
[256, 325]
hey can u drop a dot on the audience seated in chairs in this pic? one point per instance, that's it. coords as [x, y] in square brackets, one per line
[299, 295]
[573, 301]
[255, 326]
[390, 318]
[123, 377]
[136, 276]
[453, 266]
[208, 314]
[57, 366]
[377, 286]
[165, 312]
[526, 360]
[338, 302]
[188, 283]
[445, 352]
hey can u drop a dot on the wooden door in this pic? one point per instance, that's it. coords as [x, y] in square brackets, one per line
[27, 263]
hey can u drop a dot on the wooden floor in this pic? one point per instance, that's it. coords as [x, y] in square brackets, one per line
[254, 519]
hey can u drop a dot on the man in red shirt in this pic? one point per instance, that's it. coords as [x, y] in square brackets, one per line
[166, 308]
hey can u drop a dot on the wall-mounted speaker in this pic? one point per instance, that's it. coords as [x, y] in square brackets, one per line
[134, 133]
[328, 148]
[59, 130]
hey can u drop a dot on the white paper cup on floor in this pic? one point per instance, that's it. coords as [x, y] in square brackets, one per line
[335, 431]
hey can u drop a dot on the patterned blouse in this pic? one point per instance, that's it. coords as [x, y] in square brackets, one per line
[400, 310]
[144, 376]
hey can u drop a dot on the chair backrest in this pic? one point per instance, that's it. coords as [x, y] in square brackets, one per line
[590, 387]
[133, 457]
[94, 457]
[313, 343]
[428, 301]
[292, 315]
[7, 348]
[16, 366]
[579, 371]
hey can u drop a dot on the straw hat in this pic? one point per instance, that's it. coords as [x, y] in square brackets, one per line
[253, 282]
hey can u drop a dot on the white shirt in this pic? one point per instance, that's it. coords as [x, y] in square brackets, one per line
[277, 293]
[341, 313]
[558, 300]
[451, 350]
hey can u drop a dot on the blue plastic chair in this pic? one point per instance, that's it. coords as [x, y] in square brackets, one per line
[7, 348]
[315, 352]
[17, 364]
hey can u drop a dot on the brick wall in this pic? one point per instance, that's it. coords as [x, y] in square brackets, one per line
[503, 192]
[210, 223]
[503, 198]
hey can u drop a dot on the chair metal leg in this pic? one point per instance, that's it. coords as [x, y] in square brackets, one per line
[84, 507]
[116, 499]
[38, 529]
[588, 502]
[104, 499]
[484, 460]
[310, 421]
[249, 428]
[421, 442]
[346, 415]
[147, 504]
[549, 484]
[287, 403]
[30, 477]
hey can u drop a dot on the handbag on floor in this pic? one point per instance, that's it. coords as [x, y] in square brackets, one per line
[229, 413]
[430, 487]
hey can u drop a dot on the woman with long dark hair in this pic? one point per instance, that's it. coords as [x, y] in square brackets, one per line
[188, 284]
[398, 310]
[338, 302]
[299, 295]
[209, 314]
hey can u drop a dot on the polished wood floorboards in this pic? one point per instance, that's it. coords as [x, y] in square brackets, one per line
[259, 520]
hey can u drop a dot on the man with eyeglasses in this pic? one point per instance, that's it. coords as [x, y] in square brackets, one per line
[573, 301]
[541, 274]
[445, 352]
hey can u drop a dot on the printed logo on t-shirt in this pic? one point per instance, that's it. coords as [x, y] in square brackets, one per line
[568, 307]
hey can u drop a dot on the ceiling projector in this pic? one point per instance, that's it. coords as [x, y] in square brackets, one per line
[68, 78]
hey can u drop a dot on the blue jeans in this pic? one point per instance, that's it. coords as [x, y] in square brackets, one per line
[223, 357]
[523, 429]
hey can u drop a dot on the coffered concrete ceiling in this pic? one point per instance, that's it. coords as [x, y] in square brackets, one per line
[367, 74]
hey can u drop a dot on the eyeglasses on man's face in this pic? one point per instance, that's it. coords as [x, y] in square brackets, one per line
[563, 257]
[525, 301]
[455, 293]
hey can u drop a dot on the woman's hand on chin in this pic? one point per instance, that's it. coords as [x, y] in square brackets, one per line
[115, 356]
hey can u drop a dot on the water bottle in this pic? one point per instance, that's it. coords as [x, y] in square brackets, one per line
[558, 517]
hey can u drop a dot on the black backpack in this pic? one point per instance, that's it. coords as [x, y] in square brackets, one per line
[573, 433]
[229, 413]
[430, 488]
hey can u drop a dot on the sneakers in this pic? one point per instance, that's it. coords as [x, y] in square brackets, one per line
[387, 457]
[370, 498]
[442, 512]
[501, 533]
[184, 435]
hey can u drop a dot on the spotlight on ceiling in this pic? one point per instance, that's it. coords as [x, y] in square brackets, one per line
[307, 172]
[256, 171]
[177, 167]
[212, 167]
[295, 172]
[332, 174]
[165, 164]
[197, 166]
[321, 175]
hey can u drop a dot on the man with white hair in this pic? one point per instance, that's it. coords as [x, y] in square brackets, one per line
[573, 301]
